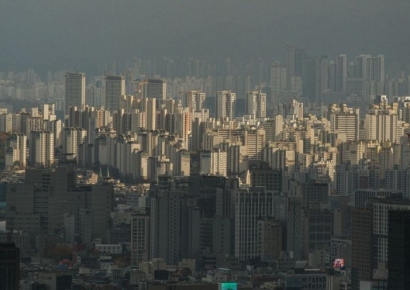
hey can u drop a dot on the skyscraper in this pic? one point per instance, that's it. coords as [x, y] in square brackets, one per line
[277, 81]
[295, 58]
[251, 205]
[154, 88]
[74, 90]
[399, 249]
[9, 266]
[341, 73]
[225, 104]
[114, 89]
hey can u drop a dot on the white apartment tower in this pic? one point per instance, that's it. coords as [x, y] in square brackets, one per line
[71, 138]
[345, 120]
[194, 100]
[114, 89]
[255, 104]
[225, 104]
[213, 162]
[41, 149]
[255, 141]
[273, 129]
[16, 151]
[74, 90]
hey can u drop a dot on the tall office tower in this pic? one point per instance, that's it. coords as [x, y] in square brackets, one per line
[341, 73]
[398, 179]
[294, 227]
[345, 120]
[362, 196]
[255, 104]
[41, 202]
[315, 76]
[151, 113]
[277, 81]
[381, 209]
[251, 204]
[213, 162]
[269, 239]
[295, 58]
[140, 237]
[9, 266]
[317, 227]
[174, 226]
[273, 128]
[255, 141]
[114, 89]
[154, 88]
[41, 149]
[399, 250]
[225, 105]
[74, 90]
[71, 138]
[362, 249]
[194, 100]
[261, 174]
[16, 151]
[378, 68]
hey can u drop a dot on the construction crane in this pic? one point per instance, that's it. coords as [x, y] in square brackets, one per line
[132, 81]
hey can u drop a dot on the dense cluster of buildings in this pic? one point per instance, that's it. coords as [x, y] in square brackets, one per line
[266, 188]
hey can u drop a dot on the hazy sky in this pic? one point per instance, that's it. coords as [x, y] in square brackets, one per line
[78, 34]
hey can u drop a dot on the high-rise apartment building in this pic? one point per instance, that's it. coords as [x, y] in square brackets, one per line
[255, 104]
[41, 149]
[213, 162]
[295, 58]
[277, 81]
[255, 141]
[225, 104]
[72, 137]
[114, 89]
[194, 100]
[16, 151]
[273, 128]
[344, 120]
[74, 90]
[154, 88]
[381, 125]
[341, 73]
